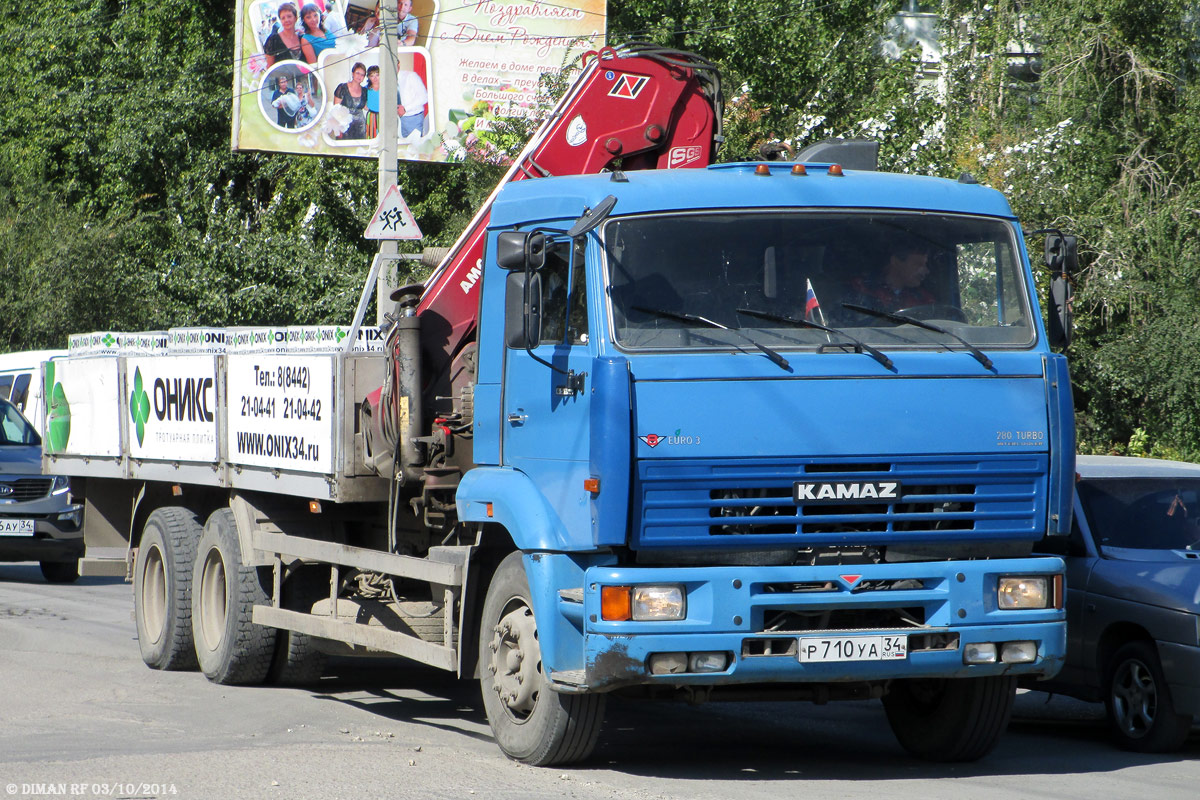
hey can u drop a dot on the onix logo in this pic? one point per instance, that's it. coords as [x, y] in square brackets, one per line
[139, 406]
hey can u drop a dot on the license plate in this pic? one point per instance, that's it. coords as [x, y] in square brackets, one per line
[16, 527]
[853, 648]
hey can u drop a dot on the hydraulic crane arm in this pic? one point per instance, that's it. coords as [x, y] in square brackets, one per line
[648, 107]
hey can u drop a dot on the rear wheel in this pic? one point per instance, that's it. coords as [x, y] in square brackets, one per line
[162, 588]
[60, 571]
[231, 649]
[531, 722]
[297, 660]
[1141, 714]
[943, 719]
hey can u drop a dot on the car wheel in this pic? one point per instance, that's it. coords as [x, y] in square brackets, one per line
[162, 588]
[531, 722]
[60, 571]
[1141, 714]
[958, 719]
[231, 649]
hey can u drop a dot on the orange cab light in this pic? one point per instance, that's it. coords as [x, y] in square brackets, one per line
[616, 603]
[799, 169]
[489, 509]
[1058, 592]
[314, 506]
[835, 169]
[762, 169]
[591, 485]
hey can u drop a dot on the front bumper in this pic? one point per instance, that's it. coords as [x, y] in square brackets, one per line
[54, 539]
[756, 615]
[1181, 667]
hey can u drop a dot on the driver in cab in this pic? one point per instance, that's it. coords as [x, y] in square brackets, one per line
[898, 284]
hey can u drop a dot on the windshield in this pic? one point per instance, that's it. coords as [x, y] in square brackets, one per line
[961, 272]
[14, 429]
[1143, 513]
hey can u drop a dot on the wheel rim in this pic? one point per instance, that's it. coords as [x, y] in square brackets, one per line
[1134, 699]
[516, 661]
[153, 600]
[212, 604]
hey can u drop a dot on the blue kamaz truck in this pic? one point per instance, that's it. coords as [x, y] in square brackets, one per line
[758, 430]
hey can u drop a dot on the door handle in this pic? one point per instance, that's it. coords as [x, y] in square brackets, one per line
[517, 418]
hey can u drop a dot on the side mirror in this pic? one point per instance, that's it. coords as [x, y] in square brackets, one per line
[1062, 258]
[1062, 252]
[523, 310]
[1059, 313]
[519, 250]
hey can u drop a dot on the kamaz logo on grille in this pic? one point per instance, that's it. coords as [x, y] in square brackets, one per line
[843, 491]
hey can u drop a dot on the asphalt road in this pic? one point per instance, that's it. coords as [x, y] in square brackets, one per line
[81, 716]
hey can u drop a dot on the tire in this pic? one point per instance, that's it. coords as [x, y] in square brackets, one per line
[531, 723]
[956, 719]
[231, 649]
[1137, 698]
[297, 660]
[60, 571]
[162, 588]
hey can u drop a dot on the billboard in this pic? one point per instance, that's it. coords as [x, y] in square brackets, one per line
[306, 75]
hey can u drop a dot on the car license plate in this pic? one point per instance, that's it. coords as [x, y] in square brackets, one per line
[853, 648]
[16, 527]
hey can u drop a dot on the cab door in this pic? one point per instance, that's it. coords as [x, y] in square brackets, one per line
[546, 403]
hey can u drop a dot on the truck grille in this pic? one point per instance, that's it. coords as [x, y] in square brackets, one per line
[743, 505]
[21, 489]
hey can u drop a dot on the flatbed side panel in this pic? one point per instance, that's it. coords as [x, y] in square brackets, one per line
[281, 423]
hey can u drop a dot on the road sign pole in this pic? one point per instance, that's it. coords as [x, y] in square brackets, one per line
[389, 126]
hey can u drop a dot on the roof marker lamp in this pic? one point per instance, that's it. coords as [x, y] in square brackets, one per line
[1024, 592]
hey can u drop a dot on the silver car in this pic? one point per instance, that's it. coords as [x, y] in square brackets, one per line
[1133, 598]
[38, 522]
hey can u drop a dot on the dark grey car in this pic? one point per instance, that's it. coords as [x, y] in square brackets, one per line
[37, 520]
[1133, 597]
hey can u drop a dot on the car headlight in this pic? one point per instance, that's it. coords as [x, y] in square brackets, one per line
[61, 485]
[1024, 591]
[642, 603]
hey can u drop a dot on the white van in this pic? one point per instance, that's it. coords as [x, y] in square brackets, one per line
[21, 382]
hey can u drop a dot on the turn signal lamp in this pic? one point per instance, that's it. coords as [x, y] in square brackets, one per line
[615, 603]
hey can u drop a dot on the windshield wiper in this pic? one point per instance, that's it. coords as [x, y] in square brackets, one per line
[979, 355]
[859, 345]
[777, 359]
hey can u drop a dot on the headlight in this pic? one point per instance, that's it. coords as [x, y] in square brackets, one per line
[1024, 591]
[61, 484]
[658, 602]
[642, 603]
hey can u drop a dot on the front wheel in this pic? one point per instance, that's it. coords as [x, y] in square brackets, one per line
[60, 571]
[1140, 712]
[950, 719]
[531, 722]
